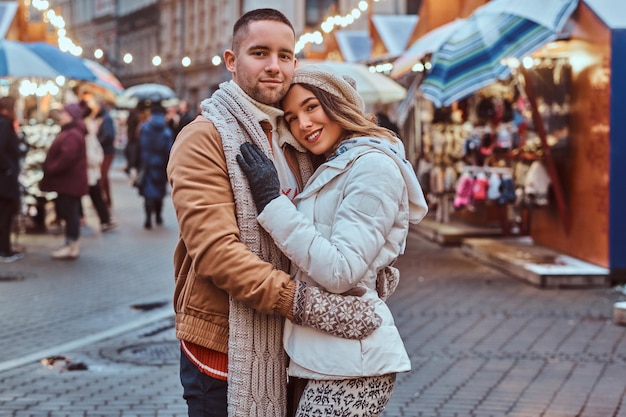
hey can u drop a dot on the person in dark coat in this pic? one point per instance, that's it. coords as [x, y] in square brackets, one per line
[9, 184]
[155, 143]
[106, 136]
[65, 172]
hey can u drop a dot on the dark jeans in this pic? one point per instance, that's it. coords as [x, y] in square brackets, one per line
[95, 193]
[8, 209]
[68, 209]
[205, 396]
[105, 185]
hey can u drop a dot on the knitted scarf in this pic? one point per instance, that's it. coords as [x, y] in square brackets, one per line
[256, 360]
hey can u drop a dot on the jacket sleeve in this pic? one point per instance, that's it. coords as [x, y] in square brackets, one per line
[358, 229]
[205, 208]
[5, 134]
[106, 133]
[67, 153]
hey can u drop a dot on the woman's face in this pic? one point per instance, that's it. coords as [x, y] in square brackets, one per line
[64, 118]
[309, 123]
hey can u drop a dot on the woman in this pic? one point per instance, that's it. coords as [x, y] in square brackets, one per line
[95, 156]
[155, 143]
[9, 172]
[65, 171]
[350, 221]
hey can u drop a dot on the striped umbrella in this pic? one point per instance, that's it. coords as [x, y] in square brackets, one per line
[425, 45]
[40, 59]
[472, 57]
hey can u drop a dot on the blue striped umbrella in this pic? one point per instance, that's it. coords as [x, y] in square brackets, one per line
[472, 57]
[40, 59]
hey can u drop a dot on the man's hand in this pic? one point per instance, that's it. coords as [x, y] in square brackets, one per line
[261, 174]
[346, 316]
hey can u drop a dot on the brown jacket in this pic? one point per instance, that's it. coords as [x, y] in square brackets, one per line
[210, 263]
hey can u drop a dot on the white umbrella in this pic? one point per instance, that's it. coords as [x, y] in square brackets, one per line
[147, 93]
[373, 86]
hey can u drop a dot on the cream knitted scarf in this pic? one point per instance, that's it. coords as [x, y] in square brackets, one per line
[256, 360]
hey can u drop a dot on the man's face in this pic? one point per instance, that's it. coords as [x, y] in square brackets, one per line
[264, 63]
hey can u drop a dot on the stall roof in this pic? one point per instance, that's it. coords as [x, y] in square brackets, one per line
[7, 13]
[355, 45]
[611, 12]
[395, 30]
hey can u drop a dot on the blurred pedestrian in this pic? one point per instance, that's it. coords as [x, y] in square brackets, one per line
[106, 136]
[383, 120]
[186, 115]
[155, 143]
[95, 156]
[9, 184]
[65, 172]
[131, 151]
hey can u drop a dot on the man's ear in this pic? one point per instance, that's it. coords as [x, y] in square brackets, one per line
[229, 60]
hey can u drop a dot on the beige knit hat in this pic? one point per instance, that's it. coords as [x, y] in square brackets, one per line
[326, 78]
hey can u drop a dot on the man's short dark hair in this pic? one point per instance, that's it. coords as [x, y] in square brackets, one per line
[241, 25]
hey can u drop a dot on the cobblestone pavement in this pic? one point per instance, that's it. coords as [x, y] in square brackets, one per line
[95, 337]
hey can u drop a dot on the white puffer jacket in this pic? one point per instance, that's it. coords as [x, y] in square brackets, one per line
[351, 219]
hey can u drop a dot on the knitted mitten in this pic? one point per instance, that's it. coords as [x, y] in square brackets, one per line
[261, 173]
[386, 281]
[345, 316]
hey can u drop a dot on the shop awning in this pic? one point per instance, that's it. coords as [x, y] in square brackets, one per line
[354, 45]
[394, 31]
[611, 12]
[7, 14]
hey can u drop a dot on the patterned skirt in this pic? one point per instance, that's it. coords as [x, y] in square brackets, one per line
[361, 397]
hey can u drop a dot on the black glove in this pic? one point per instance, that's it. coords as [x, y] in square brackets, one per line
[261, 173]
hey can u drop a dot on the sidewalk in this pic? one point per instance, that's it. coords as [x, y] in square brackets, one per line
[481, 343]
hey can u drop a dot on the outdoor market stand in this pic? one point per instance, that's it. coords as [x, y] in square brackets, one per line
[588, 153]
[595, 170]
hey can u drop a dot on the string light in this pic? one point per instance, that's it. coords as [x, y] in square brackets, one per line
[65, 43]
[330, 24]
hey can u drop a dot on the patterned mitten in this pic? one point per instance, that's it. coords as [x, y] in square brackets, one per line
[386, 281]
[345, 316]
[261, 173]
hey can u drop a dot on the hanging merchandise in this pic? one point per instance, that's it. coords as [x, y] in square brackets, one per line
[536, 185]
[437, 180]
[449, 179]
[493, 191]
[464, 191]
[507, 191]
[479, 188]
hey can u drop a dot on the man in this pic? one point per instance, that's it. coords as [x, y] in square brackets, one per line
[185, 116]
[231, 290]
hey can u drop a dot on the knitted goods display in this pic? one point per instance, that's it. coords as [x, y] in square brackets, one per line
[256, 360]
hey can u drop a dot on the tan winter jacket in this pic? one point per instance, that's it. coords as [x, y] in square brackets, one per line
[209, 261]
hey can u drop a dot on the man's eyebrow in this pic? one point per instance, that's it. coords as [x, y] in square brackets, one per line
[267, 48]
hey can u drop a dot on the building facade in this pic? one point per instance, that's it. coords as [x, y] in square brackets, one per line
[180, 43]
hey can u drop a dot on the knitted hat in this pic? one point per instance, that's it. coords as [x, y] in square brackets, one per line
[326, 78]
[74, 110]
